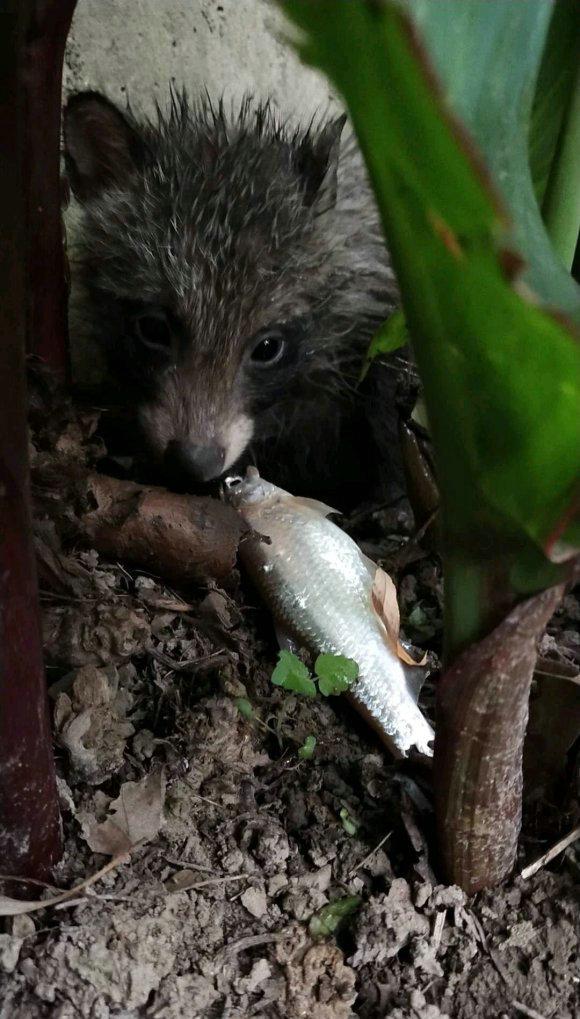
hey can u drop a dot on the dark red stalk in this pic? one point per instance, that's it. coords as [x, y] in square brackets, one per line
[45, 25]
[32, 40]
[482, 713]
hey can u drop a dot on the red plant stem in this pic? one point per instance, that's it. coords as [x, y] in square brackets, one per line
[45, 28]
[30, 834]
[482, 713]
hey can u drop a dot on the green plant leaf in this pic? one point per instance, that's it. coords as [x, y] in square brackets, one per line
[554, 85]
[306, 751]
[348, 823]
[562, 198]
[389, 337]
[328, 919]
[487, 54]
[244, 707]
[292, 674]
[501, 375]
[335, 674]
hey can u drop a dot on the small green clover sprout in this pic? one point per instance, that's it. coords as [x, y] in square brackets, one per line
[292, 674]
[335, 674]
[307, 749]
[325, 922]
[348, 823]
[244, 707]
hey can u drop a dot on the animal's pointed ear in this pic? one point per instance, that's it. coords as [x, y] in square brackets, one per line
[318, 163]
[102, 147]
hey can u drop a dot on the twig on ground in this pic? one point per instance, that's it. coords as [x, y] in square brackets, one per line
[188, 886]
[556, 849]
[185, 865]
[205, 799]
[216, 658]
[254, 941]
[369, 856]
[416, 538]
[29, 881]
[359, 516]
[17, 907]
[438, 929]
[559, 670]
[524, 1010]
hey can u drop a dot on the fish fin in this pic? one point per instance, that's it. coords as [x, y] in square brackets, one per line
[370, 565]
[386, 608]
[414, 677]
[315, 506]
[408, 659]
[285, 641]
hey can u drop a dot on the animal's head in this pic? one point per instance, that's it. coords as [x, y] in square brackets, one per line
[207, 257]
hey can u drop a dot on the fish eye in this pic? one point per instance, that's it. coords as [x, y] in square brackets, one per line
[268, 349]
[154, 331]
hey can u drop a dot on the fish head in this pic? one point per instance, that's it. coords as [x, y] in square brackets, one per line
[251, 490]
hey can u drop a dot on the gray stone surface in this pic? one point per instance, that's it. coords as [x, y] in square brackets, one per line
[136, 47]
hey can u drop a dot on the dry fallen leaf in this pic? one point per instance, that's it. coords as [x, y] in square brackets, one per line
[135, 817]
[385, 604]
[553, 726]
[217, 607]
[386, 607]
[83, 634]
[90, 720]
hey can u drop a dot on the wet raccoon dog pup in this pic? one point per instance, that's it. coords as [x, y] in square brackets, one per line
[235, 273]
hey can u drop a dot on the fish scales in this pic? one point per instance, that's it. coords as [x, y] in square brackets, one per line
[318, 586]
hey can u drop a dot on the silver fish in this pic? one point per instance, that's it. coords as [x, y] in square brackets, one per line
[327, 596]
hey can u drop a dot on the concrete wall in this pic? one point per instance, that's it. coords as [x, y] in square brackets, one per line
[135, 48]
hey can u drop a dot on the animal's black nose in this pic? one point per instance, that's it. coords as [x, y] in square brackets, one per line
[188, 460]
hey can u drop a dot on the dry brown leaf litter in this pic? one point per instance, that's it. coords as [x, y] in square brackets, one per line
[133, 819]
[91, 721]
[210, 917]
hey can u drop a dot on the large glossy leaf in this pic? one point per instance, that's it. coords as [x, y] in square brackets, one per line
[560, 80]
[553, 92]
[488, 54]
[501, 376]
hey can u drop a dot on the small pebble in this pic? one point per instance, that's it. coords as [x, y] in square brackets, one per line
[254, 900]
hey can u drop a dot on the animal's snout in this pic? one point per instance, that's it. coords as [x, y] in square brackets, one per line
[186, 460]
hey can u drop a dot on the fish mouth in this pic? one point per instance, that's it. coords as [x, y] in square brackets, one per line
[231, 488]
[235, 488]
[232, 481]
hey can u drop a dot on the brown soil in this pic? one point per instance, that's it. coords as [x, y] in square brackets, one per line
[241, 843]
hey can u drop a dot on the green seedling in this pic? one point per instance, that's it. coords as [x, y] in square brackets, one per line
[244, 707]
[246, 710]
[306, 751]
[325, 923]
[348, 823]
[335, 674]
[292, 675]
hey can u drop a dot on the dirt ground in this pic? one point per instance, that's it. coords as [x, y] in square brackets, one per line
[171, 736]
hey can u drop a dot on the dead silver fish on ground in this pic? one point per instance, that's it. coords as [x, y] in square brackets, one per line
[327, 596]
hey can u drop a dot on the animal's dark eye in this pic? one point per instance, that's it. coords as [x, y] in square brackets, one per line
[268, 350]
[154, 331]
